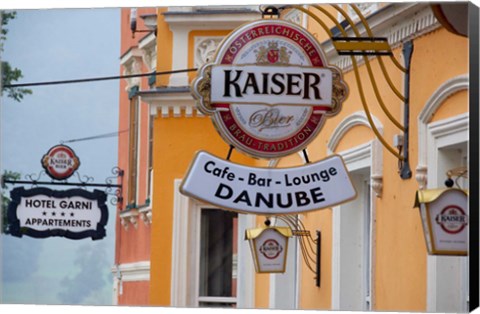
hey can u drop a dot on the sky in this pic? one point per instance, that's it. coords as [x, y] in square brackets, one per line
[51, 45]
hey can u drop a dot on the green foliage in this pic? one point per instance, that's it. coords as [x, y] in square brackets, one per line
[9, 73]
[7, 175]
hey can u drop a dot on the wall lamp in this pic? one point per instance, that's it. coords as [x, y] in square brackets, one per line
[309, 246]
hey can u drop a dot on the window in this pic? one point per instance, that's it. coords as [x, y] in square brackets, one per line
[354, 227]
[442, 145]
[447, 275]
[218, 256]
[150, 158]
[211, 262]
[353, 247]
[133, 152]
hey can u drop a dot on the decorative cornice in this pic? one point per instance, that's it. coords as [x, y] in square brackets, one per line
[171, 103]
[146, 215]
[148, 45]
[150, 21]
[398, 22]
[132, 64]
[128, 218]
[213, 19]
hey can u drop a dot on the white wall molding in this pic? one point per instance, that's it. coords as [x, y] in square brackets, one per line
[359, 158]
[372, 149]
[182, 282]
[443, 134]
[138, 271]
[356, 118]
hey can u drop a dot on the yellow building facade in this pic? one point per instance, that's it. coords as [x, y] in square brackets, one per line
[373, 252]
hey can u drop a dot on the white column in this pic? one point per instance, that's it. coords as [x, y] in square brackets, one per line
[180, 56]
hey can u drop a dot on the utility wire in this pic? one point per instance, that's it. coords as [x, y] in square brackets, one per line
[94, 137]
[94, 79]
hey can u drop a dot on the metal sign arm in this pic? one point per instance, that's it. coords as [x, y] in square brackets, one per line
[358, 80]
[364, 46]
[369, 32]
[309, 247]
[370, 72]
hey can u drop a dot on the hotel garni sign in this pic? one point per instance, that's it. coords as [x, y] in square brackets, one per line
[73, 214]
[42, 212]
[268, 91]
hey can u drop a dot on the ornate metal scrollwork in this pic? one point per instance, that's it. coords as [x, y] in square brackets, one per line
[84, 181]
[35, 177]
[112, 189]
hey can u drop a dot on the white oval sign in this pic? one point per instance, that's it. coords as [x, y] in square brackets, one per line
[267, 190]
[269, 88]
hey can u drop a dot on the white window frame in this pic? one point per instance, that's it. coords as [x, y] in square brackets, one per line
[432, 137]
[186, 259]
[441, 134]
[364, 156]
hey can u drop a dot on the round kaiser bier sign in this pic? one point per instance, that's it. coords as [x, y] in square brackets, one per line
[269, 89]
[60, 162]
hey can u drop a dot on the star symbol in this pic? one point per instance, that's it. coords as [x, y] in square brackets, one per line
[53, 213]
[71, 214]
[63, 214]
[44, 213]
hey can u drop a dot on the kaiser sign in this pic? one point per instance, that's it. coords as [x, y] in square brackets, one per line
[268, 91]
[444, 215]
[269, 88]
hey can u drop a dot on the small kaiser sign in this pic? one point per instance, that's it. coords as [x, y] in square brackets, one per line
[60, 162]
[444, 215]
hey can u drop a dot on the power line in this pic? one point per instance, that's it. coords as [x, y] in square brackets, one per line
[94, 137]
[95, 79]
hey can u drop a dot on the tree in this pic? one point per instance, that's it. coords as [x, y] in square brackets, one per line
[7, 175]
[9, 73]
